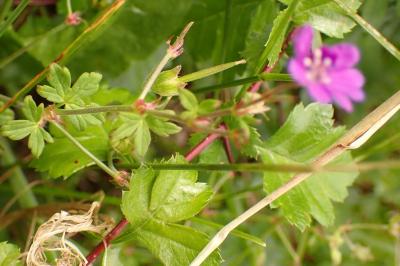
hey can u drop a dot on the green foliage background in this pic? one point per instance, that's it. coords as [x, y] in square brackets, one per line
[224, 31]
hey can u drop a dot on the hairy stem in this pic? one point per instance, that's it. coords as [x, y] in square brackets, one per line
[353, 139]
[97, 109]
[154, 75]
[114, 174]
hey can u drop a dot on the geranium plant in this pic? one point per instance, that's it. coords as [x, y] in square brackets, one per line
[199, 132]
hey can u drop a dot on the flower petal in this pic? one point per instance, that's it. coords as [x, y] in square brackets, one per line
[319, 93]
[344, 55]
[298, 71]
[348, 82]
[343, 101]
[302, 38]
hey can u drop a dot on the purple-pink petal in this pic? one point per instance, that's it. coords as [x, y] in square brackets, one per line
[343, 101]
[302, 38]
[349, 82]
[327, 73]
[298, 71]
[319, 93]
[344, 55]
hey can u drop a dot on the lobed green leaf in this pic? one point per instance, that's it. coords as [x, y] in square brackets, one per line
[9, 255]
[307, 133]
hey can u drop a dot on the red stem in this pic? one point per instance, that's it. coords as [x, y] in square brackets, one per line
[227, 146]
[123, 223]
[106, 241]
[201, 146]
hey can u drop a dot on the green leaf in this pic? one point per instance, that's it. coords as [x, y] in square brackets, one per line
[161, 126]
[142, 138]
[155, 200]
[36, 142]
[176, 196]
[9, 255]
[128, 126]
[76, 97]
[174, 244]
[208, 106]
[86, 85]
[325, 16]
[17, 129]
[307, 133]
[214, 153]
[80, 122]
[113, 96]
[134, 126]
[277, 36]
[248, 140]
[124, 42]
[168, 83]
[60, 80]
[31, 111]
[261, 24]
[61, 158]
[188, 100]
[7, 115]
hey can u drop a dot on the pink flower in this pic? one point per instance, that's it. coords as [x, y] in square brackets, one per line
[328, 73]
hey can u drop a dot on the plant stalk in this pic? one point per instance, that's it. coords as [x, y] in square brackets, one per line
[353, 139]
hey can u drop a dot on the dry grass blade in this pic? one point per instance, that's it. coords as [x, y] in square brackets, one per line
[353, 139]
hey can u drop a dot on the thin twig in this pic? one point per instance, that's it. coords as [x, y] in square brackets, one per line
[353, 139]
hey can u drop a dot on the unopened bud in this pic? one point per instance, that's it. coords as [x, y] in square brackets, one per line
[168, 83]
[73, 19]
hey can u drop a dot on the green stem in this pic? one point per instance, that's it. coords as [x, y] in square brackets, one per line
[244, 81]
[17, 180]
[21, 51]
[13, 16]
[5, 8]
[118, 108]
[114, 174]
[154, 75]
[285, 168]
[370, 29]
[97, 109]
[69, 7]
